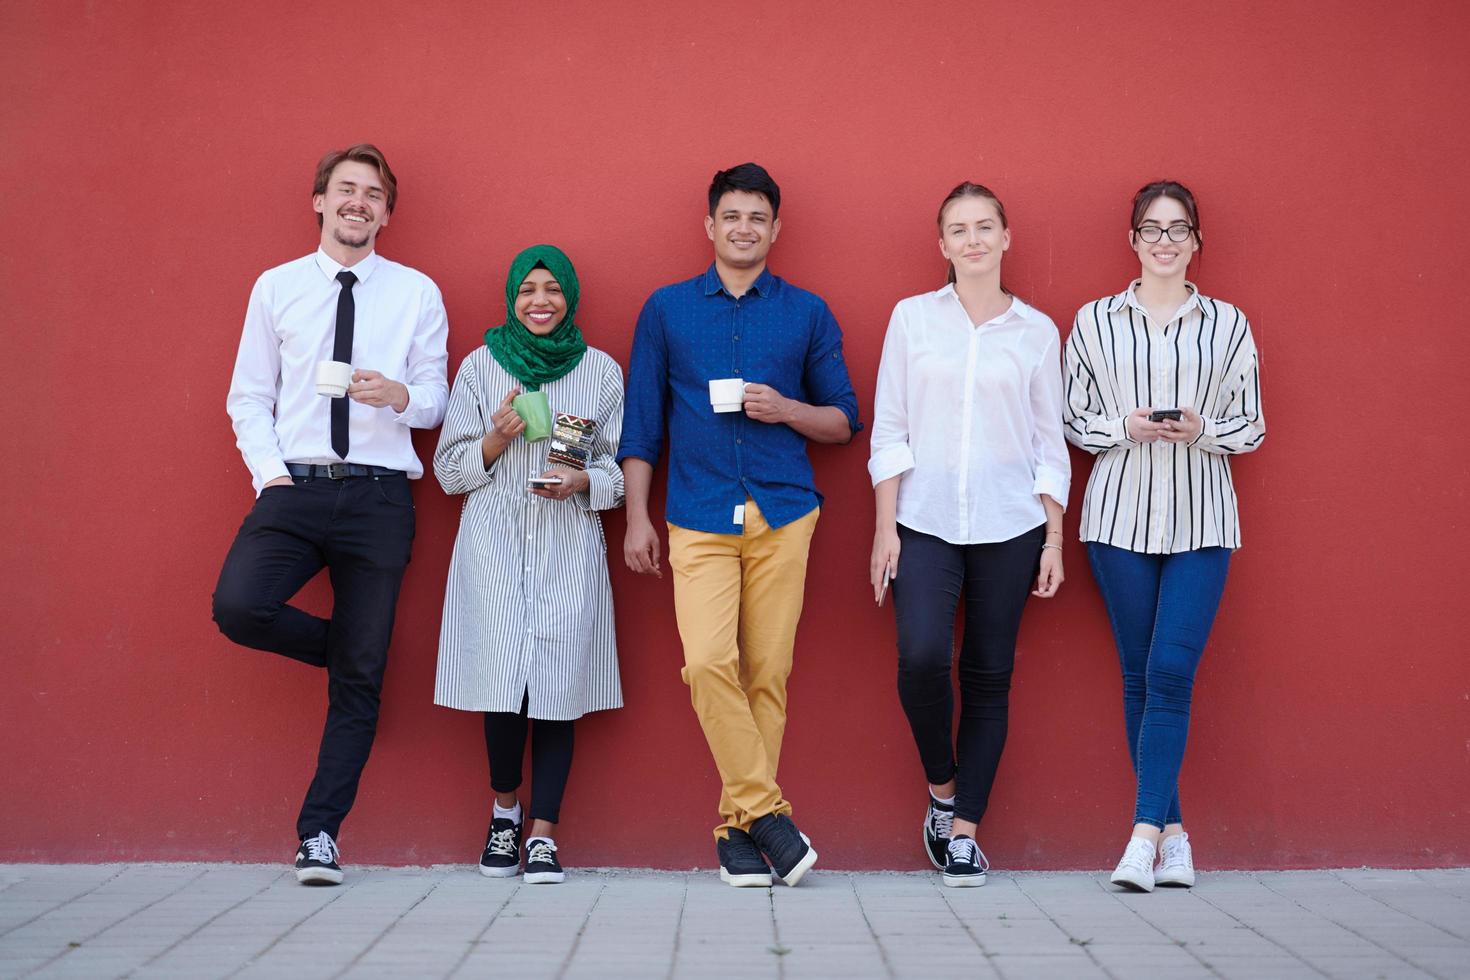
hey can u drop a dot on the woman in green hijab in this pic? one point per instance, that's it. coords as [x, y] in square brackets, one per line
[528, 619]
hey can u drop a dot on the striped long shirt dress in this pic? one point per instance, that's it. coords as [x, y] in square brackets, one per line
[528, 610]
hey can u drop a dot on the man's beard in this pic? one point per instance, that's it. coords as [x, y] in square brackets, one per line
[342, 239]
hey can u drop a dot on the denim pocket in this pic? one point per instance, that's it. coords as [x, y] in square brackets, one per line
[394, 490]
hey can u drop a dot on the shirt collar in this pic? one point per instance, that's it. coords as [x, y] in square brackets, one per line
[762, 286]
[1017, 309]
[361, 270]
[1129, 297]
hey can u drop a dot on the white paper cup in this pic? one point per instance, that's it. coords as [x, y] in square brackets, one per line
[727, 394]
[332, 378]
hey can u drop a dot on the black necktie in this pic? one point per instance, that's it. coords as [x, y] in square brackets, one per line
[342, 351]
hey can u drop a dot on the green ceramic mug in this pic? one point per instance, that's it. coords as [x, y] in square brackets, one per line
[535, 411]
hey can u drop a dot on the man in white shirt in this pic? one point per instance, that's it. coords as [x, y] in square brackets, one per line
[331, 475]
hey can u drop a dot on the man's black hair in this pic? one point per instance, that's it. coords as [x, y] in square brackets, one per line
[750, 177]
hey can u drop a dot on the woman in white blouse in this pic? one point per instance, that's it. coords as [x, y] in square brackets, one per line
[970, 475]
[528, 617]
[1162, 386]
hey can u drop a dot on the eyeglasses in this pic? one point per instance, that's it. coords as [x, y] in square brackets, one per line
[1152, 233]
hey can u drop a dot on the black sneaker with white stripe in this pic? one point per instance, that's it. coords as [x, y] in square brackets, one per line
[741, 863]
[967, 864]
[502, 857]
[316, 861]
[938, 826]
[542, 867]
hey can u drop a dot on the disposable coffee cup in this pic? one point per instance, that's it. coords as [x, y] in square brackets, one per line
[535, 411]
[332, 378]
[727, 394]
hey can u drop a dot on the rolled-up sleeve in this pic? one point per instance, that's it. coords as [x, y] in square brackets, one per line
[825, 376]
[889, 452]
[459, 463]
[604, 477]
[1052, 465]
[648, 381]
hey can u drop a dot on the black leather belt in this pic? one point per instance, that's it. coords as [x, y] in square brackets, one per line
[339, 471]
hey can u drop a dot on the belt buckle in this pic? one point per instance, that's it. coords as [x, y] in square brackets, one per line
[337, 471]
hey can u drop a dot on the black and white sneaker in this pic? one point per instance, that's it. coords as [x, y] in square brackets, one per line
[789, 850]
[502, 857]
[316, 861]
[542, 867]
[967, 864]
[938, 827]
[741, 863]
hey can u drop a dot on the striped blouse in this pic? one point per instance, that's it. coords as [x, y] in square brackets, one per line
[1161, 497]
[528, 609]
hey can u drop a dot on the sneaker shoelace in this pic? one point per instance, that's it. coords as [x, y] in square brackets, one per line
[963, 850]
[541, 852]
[321, 848]
[503, 842]
[941, 822]
[1175, 852]
[1138, 857]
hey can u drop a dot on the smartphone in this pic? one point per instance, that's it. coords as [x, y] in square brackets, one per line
[1172, 414]
[543, 482]
[883, 588]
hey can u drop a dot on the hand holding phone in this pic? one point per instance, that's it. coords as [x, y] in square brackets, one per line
[544, 482]
[1161, 414]
[883, 586]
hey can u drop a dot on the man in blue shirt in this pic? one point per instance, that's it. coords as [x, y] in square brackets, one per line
[742, 503]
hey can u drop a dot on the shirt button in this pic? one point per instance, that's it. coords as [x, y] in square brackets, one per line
[737, 440]
[737, 336]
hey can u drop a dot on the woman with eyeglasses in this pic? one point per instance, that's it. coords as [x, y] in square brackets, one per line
[970, 477]
[1162, 386]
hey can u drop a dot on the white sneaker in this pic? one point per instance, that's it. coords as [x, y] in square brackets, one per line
[1176, 862]
[1136, 870]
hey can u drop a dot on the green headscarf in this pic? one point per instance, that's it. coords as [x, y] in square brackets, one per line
[532, 360]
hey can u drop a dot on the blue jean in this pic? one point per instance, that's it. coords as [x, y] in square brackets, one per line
[1161, 608]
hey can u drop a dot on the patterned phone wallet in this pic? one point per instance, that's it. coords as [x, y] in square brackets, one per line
[571, 441]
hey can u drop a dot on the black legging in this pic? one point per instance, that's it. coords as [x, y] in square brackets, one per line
[995, 579]
[551, 758]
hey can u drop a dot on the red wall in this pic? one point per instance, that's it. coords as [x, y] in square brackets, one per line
[156, 157]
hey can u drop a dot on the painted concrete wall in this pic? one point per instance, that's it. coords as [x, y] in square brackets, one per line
[156, 157]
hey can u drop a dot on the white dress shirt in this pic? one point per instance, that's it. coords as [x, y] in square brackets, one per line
[971, 417]
[399, 329]
[1162, 497]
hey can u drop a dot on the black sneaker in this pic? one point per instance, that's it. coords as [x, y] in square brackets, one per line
[502, 857]
[967, 863]
[938, 826]
[789, 850]
[542, 867]
[316, 861]
[741, 863]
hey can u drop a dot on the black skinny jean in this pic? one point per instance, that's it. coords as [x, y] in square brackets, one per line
[361, 529]
[995, 580]
[551, 758]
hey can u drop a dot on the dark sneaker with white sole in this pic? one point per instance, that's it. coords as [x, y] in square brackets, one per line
[938, 828]
[542, 867]
[316, 861]
[741, 863]
[502, 857]
[789, 850]
[967, 864]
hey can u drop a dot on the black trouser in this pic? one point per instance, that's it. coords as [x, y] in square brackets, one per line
[551, 758]
[995, 579]
[361, 529]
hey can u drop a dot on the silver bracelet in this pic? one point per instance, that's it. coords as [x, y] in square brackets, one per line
[1049, 545]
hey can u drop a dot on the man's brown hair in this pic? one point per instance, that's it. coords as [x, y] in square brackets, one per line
[360, 153]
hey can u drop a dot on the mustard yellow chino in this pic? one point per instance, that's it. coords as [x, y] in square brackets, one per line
[738, 598]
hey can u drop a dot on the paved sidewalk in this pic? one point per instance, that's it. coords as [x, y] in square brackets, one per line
[195, 920]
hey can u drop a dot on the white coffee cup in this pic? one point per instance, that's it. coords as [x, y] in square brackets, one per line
[727, 394]
[332, 378]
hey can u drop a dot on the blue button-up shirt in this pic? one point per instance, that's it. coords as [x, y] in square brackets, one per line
[693, 332]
